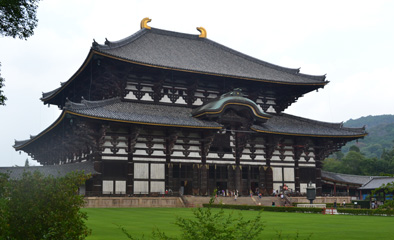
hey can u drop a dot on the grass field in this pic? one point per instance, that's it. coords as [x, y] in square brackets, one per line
[141, 221]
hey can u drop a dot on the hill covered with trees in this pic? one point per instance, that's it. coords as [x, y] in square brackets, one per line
[373, 155]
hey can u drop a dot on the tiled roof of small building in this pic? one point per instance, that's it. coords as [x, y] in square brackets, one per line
[292, 125]
[54, 170]
[345, 178]
[377, 182]
[187, 52]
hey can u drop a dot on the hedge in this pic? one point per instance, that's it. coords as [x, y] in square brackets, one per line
[370, 212]
[351, 211]
[266, 208]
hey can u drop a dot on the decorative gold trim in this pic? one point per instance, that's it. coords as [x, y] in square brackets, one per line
[144, 23]
[243, 104]
[203, 32]
[311, 135]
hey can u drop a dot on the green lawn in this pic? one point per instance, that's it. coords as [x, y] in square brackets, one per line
[139, 221]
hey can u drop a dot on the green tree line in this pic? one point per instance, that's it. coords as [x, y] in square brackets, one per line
[355, 162]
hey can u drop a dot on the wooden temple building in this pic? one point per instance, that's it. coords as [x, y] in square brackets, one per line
[162, 110]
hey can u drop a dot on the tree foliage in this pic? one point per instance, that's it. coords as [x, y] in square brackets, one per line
[18, 18]
[217, 226]
[386, 189]
[207, 224]
[46, 207]
[380, 135]
[2, 97]
[356, 163]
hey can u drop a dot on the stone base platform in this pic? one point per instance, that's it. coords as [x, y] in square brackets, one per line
[129, 202]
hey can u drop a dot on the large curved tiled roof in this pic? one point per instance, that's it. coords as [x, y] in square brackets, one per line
[175, 116]
[189, 52]
[286, 124]
[143, 113]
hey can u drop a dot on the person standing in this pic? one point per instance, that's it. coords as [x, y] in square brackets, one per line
[344, 203]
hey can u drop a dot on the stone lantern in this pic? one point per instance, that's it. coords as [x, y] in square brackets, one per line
[310, 192]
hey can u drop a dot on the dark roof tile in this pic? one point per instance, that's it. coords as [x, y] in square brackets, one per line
[188, 52]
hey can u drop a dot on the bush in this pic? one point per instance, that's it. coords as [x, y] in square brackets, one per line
[46, 207]
[212, 225]
[370, 212]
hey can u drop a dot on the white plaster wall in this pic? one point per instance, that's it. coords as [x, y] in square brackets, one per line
[120, 187]
[289, 174]
[157, 171]
[140, 187]
[157, 187]
[277, 173]
[141, 170]
[108, 187]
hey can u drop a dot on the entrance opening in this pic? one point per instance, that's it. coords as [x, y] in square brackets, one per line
[186, 187]
[254, 186]
[222, 186]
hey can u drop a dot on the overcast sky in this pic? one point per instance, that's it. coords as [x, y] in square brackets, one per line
[350, 41]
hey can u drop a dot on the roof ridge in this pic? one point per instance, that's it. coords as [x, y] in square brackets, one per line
[135, 36]
[89, 104]
[119, 43]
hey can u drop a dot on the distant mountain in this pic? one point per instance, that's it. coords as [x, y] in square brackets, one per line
[380, 134]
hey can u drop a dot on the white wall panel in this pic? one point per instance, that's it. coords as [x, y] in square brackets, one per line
[157, 171]
[289, 174]
[141, 170]
[277, 173]
[141, 187]
[157, 187]
[120, 187]
[108, 187]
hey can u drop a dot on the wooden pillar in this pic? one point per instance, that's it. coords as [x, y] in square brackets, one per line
[335, 189]
[238, 178]
[269, 151]
[319, 191]
[170, 177]
[204, 179]
[262, 184]
[298, 149]
[231, 178]
[195, 182]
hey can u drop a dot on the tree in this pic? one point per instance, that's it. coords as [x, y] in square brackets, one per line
[386, 189]
[2, 97]
[18, 18]
[354, 148]
[46, 207]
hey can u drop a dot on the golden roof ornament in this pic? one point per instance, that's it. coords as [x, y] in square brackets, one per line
[144, 23]
[203, 32]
